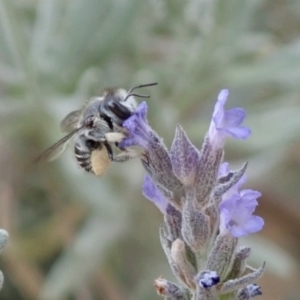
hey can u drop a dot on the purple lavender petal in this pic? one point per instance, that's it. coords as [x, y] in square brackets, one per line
[234, 117]
[250, 195]
[254, 290]
[237, 231]
[236, 214]
[236, 188]
[223, 169]
[207, 279]
[226, 123]
[138, 128]
[254, 224]
[240, 133]
[151, 192]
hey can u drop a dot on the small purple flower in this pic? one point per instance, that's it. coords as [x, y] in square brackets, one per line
[207, 279]
[236, 214]
[151, 192]
[254, 290]
[226, 123]
[138, 127]
[237, 207]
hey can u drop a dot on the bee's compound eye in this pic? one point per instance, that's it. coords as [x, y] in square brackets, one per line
[91, 144]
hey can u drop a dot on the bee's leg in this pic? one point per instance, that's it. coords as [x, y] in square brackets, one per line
[126, 155]
[114, 137]
[109, 151]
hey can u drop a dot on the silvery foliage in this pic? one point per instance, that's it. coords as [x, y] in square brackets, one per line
[204, 210]
[3, 241]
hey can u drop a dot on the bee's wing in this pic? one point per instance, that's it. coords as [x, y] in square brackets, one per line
[70, 121]
[58, 148]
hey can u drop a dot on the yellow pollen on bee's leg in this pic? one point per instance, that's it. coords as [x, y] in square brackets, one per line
[100, 161]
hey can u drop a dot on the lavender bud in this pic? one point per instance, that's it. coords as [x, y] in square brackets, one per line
[239, 263]
[241, 282]
[207, 171]
[166, 245]
[250, 291]
[188, 272]
[221, 255]
[173, 221]
[184, 157]
[168, 289]
[213, 214]
[195, 224]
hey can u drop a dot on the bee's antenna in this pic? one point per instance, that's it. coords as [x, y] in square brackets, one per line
[136, 95]
[141, 86]
[138, 87]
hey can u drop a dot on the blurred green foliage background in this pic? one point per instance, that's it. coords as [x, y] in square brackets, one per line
[76, 236]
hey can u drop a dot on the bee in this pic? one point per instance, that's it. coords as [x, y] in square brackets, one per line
[96, 128]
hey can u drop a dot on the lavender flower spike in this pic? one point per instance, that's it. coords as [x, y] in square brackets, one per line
[151, 192]
[198, 194]
[226, 123]
[236, 214]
